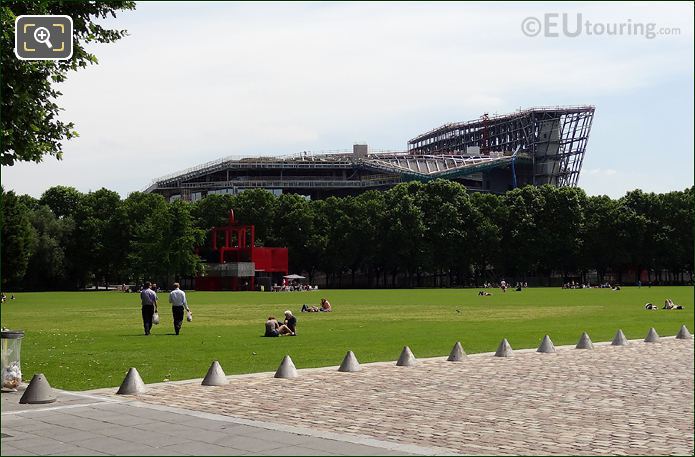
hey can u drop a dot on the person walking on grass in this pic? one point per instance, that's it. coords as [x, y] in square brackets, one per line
[148, 299]
[177, 298]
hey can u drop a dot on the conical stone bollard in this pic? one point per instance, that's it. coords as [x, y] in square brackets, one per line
[286, 369]
[38, 391]
[584, 342]
[350, 363]
[215, 376]
[652, 336]
[683, 333]
[546, 346]
[457, 353]
[132, 384]
[619, 339]
[407, 359]
[504, 349]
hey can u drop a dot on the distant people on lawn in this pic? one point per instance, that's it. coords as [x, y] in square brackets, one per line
[148, 298]
[177, 298]
[309, 309]
[668, 304]
[274, 328]
[503, 285]
[291, 322]
[324, 308]
[651, 306]
[483, 293]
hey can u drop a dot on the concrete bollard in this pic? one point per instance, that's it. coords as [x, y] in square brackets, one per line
[286, 369]
[683, 333]
[132, 384]
[38, 391]
[457, 353]
[546, 346]
[619, 339]
[215, 376]
[504, 349]
[652, 336]
[407, 359]
[584, 342]
[350, 363]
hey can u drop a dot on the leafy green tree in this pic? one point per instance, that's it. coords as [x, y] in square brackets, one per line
[521, 230]
[405, 230]
[446, 211]
[673, 223]
[294, 227]
[559, 221]
[180, 240]
[62, 200]
[30, 124]
[18, 239]
[47, 268]
[598, 235]
[364, 233]
[98, 250]
[147, 249]
[256, 207]
[212, 211]
[490, 215]
[332, 227]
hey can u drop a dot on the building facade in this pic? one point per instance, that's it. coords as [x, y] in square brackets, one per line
[491, 154]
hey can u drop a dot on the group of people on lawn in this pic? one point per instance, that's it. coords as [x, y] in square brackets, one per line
[289, 326]
[177, 298]
[668, 304]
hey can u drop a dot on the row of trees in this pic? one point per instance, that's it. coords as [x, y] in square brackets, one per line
[67, 239]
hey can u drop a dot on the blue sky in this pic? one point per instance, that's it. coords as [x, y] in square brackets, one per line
[196, 82]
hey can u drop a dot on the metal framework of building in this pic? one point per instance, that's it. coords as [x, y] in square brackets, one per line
[491, 154]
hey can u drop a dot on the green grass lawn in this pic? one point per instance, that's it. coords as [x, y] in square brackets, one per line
[85, 340]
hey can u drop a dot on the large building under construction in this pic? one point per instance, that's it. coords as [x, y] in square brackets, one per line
[491, 154]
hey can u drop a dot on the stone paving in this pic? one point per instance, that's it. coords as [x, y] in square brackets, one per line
[79, 424]
[630, 400]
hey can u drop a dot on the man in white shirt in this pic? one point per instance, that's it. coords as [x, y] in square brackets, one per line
[177, 298]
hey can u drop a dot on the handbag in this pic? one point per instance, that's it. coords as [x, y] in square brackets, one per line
[189, 316]
[155, 318]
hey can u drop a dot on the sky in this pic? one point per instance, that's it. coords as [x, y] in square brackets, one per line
[194, 82]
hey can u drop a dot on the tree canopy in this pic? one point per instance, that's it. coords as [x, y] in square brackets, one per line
[400, 237]
[30, 125]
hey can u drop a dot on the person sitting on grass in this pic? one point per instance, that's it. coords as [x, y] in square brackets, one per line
[325, 306]
[291, 322]
[650, 306]
[273, 328]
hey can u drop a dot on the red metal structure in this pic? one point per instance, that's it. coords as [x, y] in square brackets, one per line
[236, 260]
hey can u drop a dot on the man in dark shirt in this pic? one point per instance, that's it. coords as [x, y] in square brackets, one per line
[148, 299]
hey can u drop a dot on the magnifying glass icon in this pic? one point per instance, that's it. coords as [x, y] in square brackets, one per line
[42, 35]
